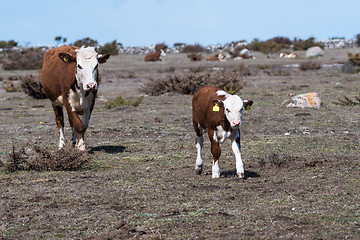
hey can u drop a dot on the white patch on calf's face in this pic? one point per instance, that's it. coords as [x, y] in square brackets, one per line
[233, 109]
[86, 68]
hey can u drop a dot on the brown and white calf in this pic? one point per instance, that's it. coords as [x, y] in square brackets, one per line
[70, 78]
[218, 57]
[220, 114]
[155, 56]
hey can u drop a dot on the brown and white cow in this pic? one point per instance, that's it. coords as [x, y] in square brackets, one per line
[218, 57]
[155, 56]
[220, 114]
[70, 78]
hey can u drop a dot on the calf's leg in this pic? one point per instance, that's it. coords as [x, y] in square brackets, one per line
[199, 145]
[216, 152]
[77, 126]
[235, 144]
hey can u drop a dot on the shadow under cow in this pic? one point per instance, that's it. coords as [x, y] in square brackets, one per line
[248, 174]
[108, 149]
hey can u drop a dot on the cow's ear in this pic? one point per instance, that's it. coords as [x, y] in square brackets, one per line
[67, 58]
[102, 58]
[247, 104]
[219, 102]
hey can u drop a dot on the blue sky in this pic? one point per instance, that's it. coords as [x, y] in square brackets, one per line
[146, 22]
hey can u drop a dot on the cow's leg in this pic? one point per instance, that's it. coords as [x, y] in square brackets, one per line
[199, 141]
[77, 126]
[216, 152]
[235, 144]
[59, 119]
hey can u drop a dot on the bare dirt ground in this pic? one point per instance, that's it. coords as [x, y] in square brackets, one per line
[302, 165]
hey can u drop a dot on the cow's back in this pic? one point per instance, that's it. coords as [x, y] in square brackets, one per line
[57, 76]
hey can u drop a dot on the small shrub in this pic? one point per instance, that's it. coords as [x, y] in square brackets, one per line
[197, 48]
[41, 159]
[300, 44]
[190, 83]
[160, 46]
[347, 101]
[87, 42]
[310, 65]
[110, 48]
[119, 102]
[31, 85]
[25, 59]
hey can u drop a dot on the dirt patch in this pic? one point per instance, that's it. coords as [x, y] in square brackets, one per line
[302, 165]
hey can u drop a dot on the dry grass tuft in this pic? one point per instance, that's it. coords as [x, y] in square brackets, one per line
[191, 82]
[310, 65]
[31, 85]
[36, 158]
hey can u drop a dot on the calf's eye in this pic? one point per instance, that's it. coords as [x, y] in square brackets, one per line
[227, 110]
[79, 67]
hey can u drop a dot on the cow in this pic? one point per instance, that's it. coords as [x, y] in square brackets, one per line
[288, 55]
[155, 56]
[220, 114]
[70, 79]
[218, 57]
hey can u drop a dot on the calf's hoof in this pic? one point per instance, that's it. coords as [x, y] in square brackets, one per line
[241, 175]
[215, 175]
[198, 169]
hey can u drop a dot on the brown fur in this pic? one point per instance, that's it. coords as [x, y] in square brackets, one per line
[57, 78]
[202, 111]
[153, 57]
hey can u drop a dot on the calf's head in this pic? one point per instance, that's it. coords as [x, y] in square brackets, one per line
[233, 108]
[87, 61]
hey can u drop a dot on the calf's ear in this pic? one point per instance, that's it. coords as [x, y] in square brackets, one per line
[247, 104]
[102, 58]
[66, 57]
[219, 102]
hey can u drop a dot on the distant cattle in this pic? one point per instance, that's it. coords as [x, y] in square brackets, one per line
[288, 55]
[220, 114]
[245, 54]
[155, 56]
[70, 78]
[217, 57]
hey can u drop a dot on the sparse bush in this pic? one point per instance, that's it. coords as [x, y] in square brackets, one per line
[31, 85]
[25, 59]
[110, 48]
[87, 42]
[194, 57]
[41, 159]
[160, 46]
[193, 49]
[190, 83]
[347, 101]
[300, 44]
[119, 102]
[266, 47]
[310, 65]
[8, 44]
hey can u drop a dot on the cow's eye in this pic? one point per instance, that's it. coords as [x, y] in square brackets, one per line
[79, 67]
[227, 110]
[96, 67]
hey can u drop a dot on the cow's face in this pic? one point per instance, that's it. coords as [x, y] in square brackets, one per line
[87, 62]
[234, 107]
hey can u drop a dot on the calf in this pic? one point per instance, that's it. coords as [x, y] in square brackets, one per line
[155, 56]
[70, 78]
[220, 114]
[218, 57]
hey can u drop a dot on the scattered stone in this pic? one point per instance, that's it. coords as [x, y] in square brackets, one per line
[314, 52]
[311, 100]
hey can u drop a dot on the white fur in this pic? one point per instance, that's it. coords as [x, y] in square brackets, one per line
[215, 169]
[86, 58]
[220, 134]
[237, 151]
[199, 146]
[61, 138]
[233, 109]
[221, 92]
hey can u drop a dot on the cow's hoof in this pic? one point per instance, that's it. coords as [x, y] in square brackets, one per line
[198, 169]
[241, 175]
[215, 175]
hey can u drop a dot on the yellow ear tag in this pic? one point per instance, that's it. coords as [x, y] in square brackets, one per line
[216, 108]
[248, 108]
[66, 59]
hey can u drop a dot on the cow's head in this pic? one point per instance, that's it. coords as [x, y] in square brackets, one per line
[87, 61]
[233, 108]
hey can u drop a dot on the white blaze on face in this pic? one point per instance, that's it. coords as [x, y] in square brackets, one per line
[234, 108]
[86, 68]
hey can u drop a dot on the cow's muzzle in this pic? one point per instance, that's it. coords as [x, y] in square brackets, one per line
[91, 87]
[236, 123]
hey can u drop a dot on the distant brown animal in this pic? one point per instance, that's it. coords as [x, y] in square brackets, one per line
[217, 57]
[354, 58]
[220, 114]
[70, 78]
[155, 56]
